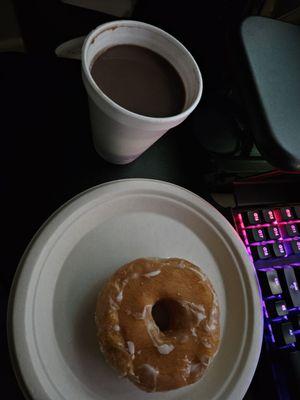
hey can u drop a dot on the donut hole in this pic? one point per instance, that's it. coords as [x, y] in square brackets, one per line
[169, 315]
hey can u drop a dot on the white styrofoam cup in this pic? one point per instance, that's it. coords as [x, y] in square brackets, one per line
[120, 135]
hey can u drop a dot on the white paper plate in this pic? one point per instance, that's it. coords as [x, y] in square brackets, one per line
[52, 332]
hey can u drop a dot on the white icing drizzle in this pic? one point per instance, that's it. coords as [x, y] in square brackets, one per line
[212, 322]
[120, 289]
[131, 348]
[153, 331]
[196, 367]
[198, 272]
[139, 352]
[119, 297]
[206, 343]
[153, 372]
[205, 360]
[197, 310]
[113, 304]
[116, 328]
[187, 369]
[193, 330]
[165, 348]
[154, 334]
[138, 315]
[181, 264]
[153, 273]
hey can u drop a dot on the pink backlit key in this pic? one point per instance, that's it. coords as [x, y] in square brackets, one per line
[253, 217]
[292, 230]
[273, 232]
[286, 213]
[256, 235]
[268, 215]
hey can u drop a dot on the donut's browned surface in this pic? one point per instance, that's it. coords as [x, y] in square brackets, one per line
[158, 359]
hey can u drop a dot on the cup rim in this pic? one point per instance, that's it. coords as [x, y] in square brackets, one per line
[109, 25]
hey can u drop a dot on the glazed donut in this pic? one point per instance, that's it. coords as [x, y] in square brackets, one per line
[158, 323]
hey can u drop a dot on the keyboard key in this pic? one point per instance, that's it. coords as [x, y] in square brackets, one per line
[253, 217]
[269, 282]
[278, 249]
[283, 333]
[276, 308]
[261, 252]
[292, 230]
[297, 211]
[286, 213]
[295, 318]
[256, 235]
[296, 246]
[268, 215]
[290, 286]
[273, 232]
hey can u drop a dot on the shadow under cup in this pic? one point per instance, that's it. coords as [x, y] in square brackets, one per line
[120, 135]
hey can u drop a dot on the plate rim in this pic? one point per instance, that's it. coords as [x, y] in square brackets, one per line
[29, 385]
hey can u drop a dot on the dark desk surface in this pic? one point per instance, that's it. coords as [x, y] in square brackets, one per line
[48, 157]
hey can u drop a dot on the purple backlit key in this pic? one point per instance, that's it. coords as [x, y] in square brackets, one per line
[278, 249]
[292, 230]
[261, 252]
[277, 308]
[269, 215]
[296, 246]
[290, 286]
[269, 282]
[273, 232]
[286, 213]
[283, 333]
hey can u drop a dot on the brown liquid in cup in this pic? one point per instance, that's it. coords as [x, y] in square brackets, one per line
[139, 80]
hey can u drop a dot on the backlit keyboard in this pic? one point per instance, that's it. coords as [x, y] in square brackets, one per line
[272, 239]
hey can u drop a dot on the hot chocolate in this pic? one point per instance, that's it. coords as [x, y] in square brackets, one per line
[139, 80]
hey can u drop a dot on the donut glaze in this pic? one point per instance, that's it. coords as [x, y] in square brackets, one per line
[158, 323]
